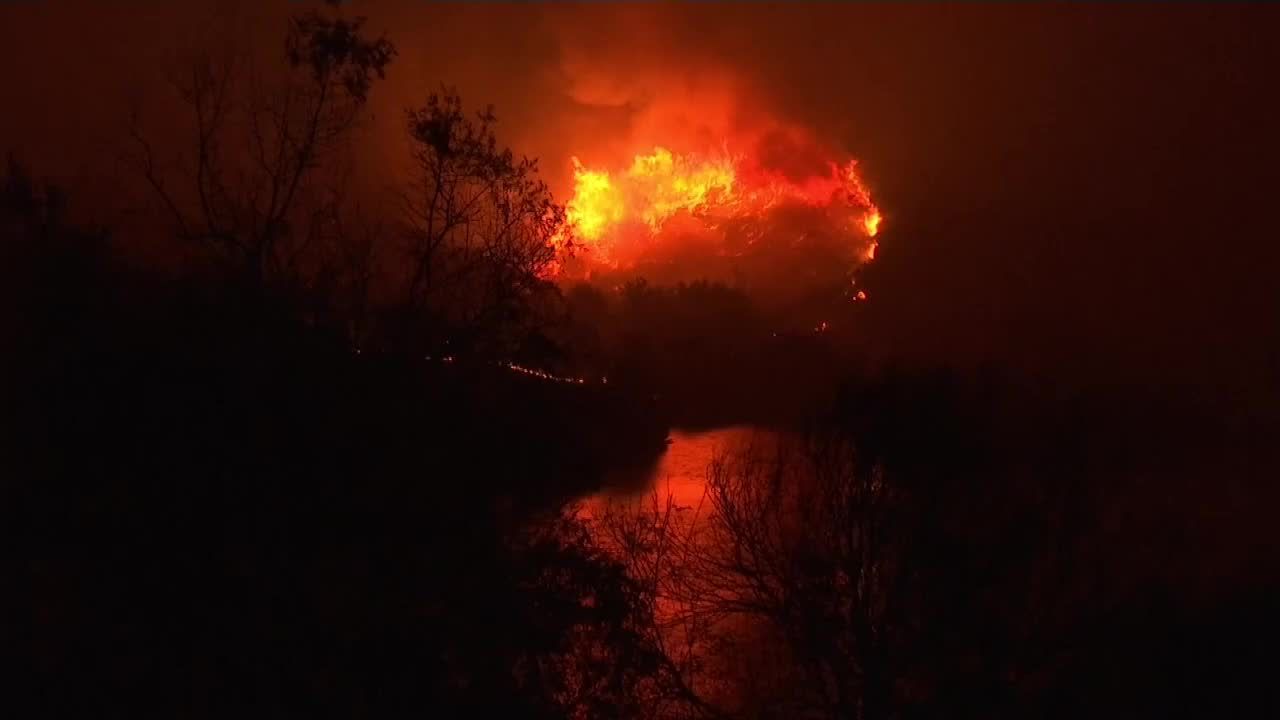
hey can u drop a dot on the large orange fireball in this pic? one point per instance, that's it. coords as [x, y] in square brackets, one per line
[614, 213]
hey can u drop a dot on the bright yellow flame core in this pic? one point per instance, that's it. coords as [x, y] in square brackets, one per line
[665, 185]
[871, 222]
[659, 185]
[596, 203]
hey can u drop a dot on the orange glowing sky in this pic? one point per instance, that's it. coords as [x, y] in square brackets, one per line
[1018, 156]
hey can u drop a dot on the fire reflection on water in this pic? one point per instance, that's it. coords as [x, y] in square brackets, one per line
[656, 520]
[680, 473]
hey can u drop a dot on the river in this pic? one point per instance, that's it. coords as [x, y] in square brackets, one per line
[681, 471]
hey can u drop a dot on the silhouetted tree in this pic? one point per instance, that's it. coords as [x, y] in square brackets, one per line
[211, 493]
[789, 593]
[253, 187]
[481, 226]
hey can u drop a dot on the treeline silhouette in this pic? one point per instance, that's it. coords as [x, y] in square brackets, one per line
[710, 354]
[282, 479]
[944, 544]
[293, 477]
[222, 509]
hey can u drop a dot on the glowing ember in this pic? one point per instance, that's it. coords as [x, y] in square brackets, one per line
[615, 211]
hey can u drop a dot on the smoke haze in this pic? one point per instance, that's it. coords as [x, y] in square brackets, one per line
[1026, 159]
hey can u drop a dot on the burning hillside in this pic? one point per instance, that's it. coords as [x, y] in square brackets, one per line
[720, 208]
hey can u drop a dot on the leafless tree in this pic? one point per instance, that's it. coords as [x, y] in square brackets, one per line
[252, 187]
[654, 540]
[786, 593]
[481, 227]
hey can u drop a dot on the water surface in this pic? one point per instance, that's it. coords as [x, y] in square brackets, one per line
[681, 471]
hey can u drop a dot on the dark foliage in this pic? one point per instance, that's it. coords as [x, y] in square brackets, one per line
[223, 511]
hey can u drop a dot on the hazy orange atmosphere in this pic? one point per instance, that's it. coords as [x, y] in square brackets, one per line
[640, 360]
[970, 125]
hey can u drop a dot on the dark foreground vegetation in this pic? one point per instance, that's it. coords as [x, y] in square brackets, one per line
[264, 484]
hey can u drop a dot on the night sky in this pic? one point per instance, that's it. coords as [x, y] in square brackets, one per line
[315, 439]
[1079, 190]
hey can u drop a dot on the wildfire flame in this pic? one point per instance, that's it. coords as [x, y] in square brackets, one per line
[610, 209]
